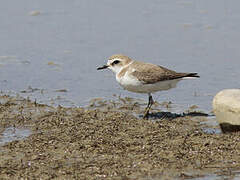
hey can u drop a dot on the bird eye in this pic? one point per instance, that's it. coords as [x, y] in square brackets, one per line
[115, 62]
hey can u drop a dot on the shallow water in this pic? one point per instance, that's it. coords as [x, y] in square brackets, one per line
[211, 126]
[60, 45]
[12, 134]
[235, 176]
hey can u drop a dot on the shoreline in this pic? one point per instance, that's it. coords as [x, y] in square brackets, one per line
[109, 142]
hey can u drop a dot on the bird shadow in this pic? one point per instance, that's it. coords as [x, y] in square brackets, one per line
[170, 115]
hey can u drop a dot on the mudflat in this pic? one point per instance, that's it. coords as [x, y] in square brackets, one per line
[105, 141]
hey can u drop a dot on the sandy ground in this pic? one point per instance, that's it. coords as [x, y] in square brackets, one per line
[105, 141]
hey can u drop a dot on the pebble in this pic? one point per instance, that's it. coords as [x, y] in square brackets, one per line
[34, 13]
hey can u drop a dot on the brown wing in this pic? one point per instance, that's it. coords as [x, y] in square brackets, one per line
[150, 73]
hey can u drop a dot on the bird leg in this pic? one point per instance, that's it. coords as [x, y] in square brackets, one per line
[150, 103]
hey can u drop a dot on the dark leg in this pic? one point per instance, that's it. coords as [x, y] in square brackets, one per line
[150, 103]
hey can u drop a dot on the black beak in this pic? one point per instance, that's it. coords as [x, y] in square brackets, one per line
[103, 67]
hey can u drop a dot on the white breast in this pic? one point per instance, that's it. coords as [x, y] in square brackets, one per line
[127, 80]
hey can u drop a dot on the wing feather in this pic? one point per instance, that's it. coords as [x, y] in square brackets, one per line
[150, 73]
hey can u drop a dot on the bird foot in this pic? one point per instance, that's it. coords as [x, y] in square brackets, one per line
[146, 114]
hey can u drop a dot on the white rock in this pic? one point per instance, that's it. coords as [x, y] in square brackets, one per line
[226, 107]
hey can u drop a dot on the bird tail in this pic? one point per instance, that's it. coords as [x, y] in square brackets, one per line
[192, 75]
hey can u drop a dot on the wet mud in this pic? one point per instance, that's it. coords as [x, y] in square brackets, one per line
[108, 140]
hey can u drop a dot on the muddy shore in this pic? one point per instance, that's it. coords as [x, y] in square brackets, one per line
[107, 141]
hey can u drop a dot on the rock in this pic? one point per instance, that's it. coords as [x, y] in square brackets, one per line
[226, 107]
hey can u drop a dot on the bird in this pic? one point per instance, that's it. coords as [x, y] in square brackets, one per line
[141, 77]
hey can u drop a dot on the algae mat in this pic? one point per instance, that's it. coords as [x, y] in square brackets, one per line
[78, 143]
